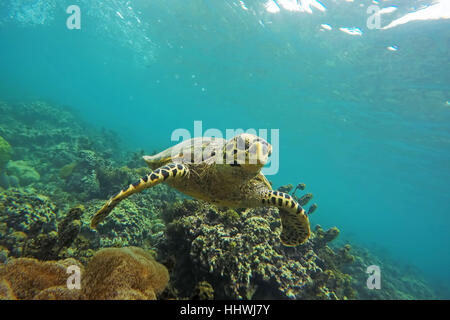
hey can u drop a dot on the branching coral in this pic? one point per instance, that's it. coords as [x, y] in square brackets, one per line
[323, 237]
[286, 188]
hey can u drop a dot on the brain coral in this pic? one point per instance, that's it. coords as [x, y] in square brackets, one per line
[125, 273]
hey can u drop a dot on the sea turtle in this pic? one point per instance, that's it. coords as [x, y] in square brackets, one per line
[222, 172]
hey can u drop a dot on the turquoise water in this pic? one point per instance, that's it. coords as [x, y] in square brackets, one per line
[366, 128]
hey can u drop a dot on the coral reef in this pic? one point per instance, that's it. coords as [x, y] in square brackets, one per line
[29, 226]
[135, 221]
[52, 139]
[245, 259]
[397, 281]
[24, 215]
[59, 162]
[48, 246]
[32, 226]
[126, 273]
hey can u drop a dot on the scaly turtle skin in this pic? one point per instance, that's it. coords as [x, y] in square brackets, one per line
[221, 172]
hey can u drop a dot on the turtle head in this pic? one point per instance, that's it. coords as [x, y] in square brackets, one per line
[247, 152]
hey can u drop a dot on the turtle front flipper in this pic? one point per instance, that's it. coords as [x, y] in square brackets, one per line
[294, 221]
[169, 171]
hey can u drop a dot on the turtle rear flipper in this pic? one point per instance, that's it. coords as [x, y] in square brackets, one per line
[170, 171]
[295, 228]
[294, 221]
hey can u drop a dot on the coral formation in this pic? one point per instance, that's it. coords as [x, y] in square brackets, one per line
[6, 292]
[4, 253]
[7, 181]
[300, 186]
[47, 246]
[24, 216]
[23, 171]
[244, 259]
[203, 291]
[126, 273]
[312, 208]
[135, 222]
[323, 237]
[69, 228]
[286, 188]
[303, 200]
[28, 277]
[29, 227]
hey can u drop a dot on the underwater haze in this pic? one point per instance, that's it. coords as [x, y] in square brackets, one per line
[362, 105]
